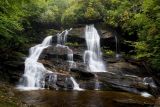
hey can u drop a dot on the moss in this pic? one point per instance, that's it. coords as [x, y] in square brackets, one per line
[51, 32]
[109, 52]
[8, 104]
[72, 44]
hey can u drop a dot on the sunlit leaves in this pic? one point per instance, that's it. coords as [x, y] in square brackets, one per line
[141, 48]
[71, 15]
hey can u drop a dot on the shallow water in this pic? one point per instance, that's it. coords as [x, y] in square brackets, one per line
[47, 98]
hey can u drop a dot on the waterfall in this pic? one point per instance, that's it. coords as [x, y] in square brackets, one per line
[62, 37]
[61, 40]
[93, 56]
[117, 47]
[34, 70]
[97, 85]
[52, 78]
[76, 85]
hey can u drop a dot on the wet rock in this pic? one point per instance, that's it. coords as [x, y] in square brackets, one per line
[122, 67]
[13, 71]
[88, 85]
[75, 35]
[121, 75]
[82, 72]
[77, 32]
[56, 81]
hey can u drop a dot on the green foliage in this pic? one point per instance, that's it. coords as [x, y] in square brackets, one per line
[72, 14]
[148, 32]
[109, 52]
[94, 10]
[11, 14]
[141, 50]
[72, 44]
[140, 18]
[83, 11]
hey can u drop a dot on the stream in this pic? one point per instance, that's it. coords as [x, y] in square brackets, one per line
[47, 98]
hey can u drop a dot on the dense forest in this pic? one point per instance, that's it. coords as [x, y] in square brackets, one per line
[22, 20]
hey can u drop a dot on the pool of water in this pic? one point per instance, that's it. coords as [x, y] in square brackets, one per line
[47, 98]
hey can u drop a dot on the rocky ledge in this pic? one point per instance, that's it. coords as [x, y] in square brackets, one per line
[121, 75]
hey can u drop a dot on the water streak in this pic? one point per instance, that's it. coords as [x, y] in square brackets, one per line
[117, 47]
[76, 85]
[93, 55]
[149, 81]
[61, 40]
[97, 85]
[33, 77]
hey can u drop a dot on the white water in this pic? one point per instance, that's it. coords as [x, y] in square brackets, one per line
[61, 40]
[93, 55]
[149, 81]
[34, 71]
[76, 85]
[53, 78]
[117, 54]
[145, 94]
[97, 85]
[62, 37]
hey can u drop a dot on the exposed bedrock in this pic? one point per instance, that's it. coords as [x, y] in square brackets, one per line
[121, 75]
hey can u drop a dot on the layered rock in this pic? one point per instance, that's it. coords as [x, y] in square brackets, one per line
[121, 74]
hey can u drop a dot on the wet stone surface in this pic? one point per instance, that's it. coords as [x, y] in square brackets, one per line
[121, 75]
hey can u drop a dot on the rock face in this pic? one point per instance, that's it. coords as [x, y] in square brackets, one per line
[11, 70]
[121, 75]
[77, 35]
[58, 81]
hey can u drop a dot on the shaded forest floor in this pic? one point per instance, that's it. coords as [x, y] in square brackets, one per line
[8, 97]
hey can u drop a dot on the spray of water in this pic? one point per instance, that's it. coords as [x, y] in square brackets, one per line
[34, 71]
[93, 55]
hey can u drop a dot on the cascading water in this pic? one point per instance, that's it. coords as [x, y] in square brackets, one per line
[34, 74]
[117, 47]
[149, 81]
[34, 70]
[97, 83]
[93, 56]
[76, 85]
[62, 37]
[61, 40]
